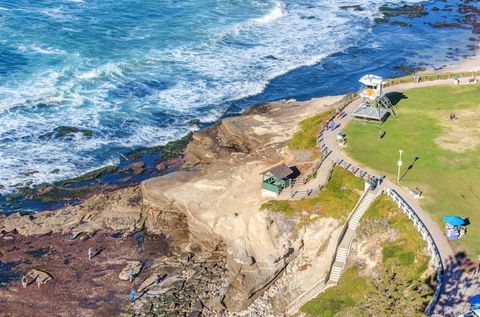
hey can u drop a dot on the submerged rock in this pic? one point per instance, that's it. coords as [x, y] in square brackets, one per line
[411, 11]
[65, 131]
[355, 7]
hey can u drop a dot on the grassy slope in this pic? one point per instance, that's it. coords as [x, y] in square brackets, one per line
[336, 199]
[408, 246]
[450, 180]
[352, 288]
[305, 137]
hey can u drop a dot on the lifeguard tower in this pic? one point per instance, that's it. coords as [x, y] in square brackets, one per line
[375, 106]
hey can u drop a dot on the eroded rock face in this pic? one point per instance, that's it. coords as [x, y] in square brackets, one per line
[35, 274]
[222, 198]
[213, 206]
[121, 210]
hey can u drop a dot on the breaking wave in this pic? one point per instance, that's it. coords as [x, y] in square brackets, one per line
[135, 74]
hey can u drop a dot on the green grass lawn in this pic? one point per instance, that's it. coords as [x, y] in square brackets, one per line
[347, 298]
[336, 199]
[450, 179]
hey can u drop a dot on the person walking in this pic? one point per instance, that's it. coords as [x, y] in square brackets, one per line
[39, 281]
[24, 281]
[132, 295]
[130, 276]
[158, 279]
[90, 254]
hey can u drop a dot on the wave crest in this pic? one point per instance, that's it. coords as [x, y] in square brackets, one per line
[278, 11]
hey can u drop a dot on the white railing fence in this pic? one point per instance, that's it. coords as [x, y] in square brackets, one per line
[432, 247]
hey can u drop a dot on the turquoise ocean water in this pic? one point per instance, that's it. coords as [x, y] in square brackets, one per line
[82, 82]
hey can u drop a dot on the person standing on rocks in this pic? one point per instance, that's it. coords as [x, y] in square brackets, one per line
[39, 281]
[132, 295]
[158, 279]
[130, 276]
[24, 281]
[90, 254]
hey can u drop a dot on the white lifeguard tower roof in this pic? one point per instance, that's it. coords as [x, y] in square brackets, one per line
[371, 80]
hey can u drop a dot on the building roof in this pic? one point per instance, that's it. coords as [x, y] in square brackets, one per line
[371, 80]
[372, 113]
[279, 171]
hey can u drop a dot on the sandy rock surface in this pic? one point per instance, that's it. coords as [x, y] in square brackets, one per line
[133, 267]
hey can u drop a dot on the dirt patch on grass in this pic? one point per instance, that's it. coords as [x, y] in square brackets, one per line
[461, 134]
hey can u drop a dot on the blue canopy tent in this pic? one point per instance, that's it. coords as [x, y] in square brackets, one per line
[453, 226]
[454, 220]
[475, 301]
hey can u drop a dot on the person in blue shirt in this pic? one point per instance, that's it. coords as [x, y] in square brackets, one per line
[132, 295]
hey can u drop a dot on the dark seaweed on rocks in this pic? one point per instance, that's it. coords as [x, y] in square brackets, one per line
[135, 167]
[355, 7]
[411, 11]
[439, 25]
[407, 70]
[401, 23]
[66, 131]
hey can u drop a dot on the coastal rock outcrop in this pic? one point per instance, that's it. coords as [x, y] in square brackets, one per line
[35, 274]
[121, 210]
[222, 197]
[133, 267]
[211, 205]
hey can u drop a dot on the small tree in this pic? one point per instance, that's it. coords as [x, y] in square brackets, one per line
[395, 294]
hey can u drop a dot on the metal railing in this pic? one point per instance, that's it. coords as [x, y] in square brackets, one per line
[356, 171]
[431, 245]
[430, 77]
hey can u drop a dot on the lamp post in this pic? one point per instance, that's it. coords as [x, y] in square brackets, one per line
[399, 163]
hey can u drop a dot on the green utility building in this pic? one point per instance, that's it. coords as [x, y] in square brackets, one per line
[275, 179]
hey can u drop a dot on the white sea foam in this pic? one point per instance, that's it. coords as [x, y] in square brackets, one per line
[277, 12]
[237, 61]
[105, 70]
[58, 14]
[41, 49]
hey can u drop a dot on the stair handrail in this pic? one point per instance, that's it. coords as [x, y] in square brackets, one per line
[344, 230]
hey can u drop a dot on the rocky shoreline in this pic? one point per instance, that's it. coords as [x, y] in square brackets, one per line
[236, 250]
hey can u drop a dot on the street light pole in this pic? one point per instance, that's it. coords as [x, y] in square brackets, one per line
[399, 163]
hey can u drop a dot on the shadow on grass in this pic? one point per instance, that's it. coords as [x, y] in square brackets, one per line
[395, 97]
[409, 168]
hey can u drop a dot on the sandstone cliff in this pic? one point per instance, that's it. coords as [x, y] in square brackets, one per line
[214, 203]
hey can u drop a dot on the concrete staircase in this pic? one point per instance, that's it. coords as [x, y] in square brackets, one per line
[341, 254]
[361, 209]
[344, 246]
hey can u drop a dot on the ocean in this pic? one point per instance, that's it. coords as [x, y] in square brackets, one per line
[83, 82]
